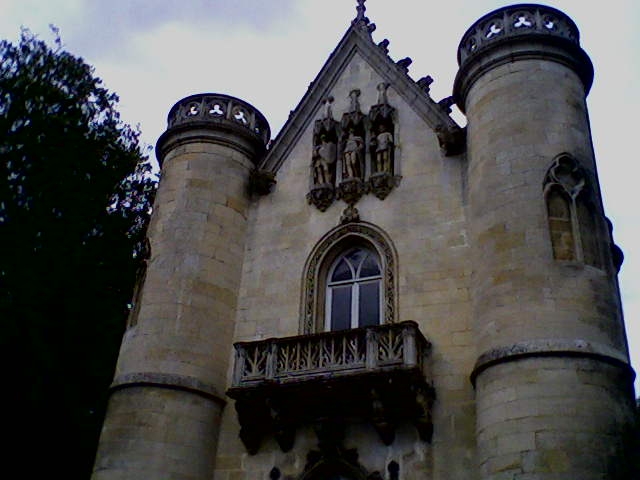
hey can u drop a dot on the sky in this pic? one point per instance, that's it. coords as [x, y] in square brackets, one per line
[155, 52]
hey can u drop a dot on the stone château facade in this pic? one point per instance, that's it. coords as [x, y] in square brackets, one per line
[380, 293]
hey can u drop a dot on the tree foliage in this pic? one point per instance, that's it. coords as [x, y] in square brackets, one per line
[75, 199]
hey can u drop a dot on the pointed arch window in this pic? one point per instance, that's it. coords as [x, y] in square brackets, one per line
[353, 291]
[349, 280]
[571, 213]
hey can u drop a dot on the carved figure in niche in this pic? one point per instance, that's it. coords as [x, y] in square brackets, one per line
[354, 102]
[353, 150]
[324, 159]
[382, 93]
[327, 113]
[383, 150]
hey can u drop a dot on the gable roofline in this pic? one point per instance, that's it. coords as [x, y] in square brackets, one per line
[358, 39]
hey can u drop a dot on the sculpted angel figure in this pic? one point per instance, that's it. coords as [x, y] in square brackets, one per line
[353, 155]
[324, 157]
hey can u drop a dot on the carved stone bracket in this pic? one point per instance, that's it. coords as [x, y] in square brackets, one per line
[381, 184]
[321, 196]
[350, 215]
[351, 190]
[452, 139]
[261, 182]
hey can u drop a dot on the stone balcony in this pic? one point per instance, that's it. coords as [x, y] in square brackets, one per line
[375, 374]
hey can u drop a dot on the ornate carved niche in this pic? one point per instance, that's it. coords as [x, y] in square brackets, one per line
[324, 159]
[382, 146]
[352, 147]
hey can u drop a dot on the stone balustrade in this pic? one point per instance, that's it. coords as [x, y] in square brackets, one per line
[506, 23]
[219, 109]
[330, 354]
[380, 374]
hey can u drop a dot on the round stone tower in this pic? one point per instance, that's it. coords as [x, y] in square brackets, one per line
[168, 393]
[553, 383]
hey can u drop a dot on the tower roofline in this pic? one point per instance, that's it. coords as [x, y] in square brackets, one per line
[519, 32]
[200, 115]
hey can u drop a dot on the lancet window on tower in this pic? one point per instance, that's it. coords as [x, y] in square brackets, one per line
[571, 213]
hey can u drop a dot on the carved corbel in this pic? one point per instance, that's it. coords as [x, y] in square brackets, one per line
[451, 138]
[381, 422]
[284, 428]
[322, 197]
[423, 420]
[251, 416]
[261, 182]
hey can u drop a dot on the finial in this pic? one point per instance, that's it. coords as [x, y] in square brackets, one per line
[361, 20]
[361, 9]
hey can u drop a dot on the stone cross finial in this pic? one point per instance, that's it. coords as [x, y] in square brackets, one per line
[361, 9]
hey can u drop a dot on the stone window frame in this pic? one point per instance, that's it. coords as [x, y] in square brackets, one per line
[334, 243]
[355, 284]
[583, 213]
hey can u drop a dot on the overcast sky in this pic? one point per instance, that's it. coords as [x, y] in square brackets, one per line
[154, 52]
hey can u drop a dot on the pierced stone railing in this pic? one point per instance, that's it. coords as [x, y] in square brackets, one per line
[517, 20]
[218, 108]
[330, 354]
[379, 374]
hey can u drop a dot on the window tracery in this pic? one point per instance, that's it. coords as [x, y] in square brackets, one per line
[571, 212]
[349, 280]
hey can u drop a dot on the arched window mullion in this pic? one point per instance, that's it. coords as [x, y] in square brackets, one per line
[314, 303]
[354, 290]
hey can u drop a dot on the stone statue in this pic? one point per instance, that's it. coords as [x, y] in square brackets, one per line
[327, 113]
[353, 155]
[324, 157]
[384, 147]
[382, 93]
[353, 100]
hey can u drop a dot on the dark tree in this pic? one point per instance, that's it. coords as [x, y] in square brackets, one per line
[75, 200]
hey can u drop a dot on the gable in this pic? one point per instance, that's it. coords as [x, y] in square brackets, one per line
[358, 45]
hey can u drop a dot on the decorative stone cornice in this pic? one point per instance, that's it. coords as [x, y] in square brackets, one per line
[218, 118]
[550, 348]
[524, 31]
[169, 381]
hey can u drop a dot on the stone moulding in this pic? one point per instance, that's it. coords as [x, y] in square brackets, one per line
[549, 348]
[168, 381]
[348, 232]
[378, 373]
